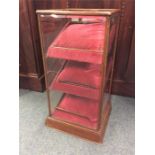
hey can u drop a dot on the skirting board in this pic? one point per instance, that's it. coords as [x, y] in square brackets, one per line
[33, 83]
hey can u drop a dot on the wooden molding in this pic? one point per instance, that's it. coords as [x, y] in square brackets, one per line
[32, 82]
[93, 135]
[75, 11]
[124, 88]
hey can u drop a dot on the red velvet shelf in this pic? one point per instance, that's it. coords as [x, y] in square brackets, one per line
[78, 78]
[85, 44]
[78, 110]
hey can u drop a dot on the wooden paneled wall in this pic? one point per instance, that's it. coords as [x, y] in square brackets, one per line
[30, 59]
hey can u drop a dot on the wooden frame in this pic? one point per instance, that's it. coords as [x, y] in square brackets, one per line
[112, 17]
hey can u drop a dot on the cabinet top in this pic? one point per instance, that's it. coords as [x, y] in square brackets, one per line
[70, 11]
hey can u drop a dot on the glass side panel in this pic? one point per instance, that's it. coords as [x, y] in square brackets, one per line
[110, 63]
[73, 51]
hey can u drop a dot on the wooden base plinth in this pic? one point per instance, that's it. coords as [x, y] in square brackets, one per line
[93, 135]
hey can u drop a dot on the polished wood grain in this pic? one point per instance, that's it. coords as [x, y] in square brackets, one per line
[50, 4]
[93, 135]
[106, 12]
[123, 82]
[32, 82]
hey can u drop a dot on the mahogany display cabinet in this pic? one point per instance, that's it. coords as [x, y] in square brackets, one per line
[78, 50]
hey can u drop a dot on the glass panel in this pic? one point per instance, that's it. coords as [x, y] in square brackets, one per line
[73, 51]
[110, 61]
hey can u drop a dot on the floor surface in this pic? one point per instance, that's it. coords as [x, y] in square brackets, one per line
[37, 139]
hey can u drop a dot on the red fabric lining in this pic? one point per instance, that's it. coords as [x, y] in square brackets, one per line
[76, 90]
[82, 79]
[82, 106]
[81, 36]
[77, 55]
[82, 73]
[77, 39]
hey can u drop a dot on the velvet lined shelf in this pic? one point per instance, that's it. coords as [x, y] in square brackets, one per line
[79, 42]
[77, 110]
[81, 79]
[84, 41]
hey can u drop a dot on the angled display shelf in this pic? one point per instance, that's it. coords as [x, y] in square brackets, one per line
[78, 78]
[78, 48]
[78, 110]
[80, 42]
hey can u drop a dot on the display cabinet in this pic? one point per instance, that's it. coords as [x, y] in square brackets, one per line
[78, 49]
